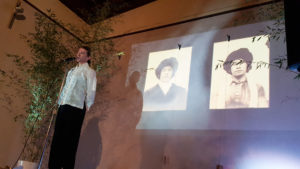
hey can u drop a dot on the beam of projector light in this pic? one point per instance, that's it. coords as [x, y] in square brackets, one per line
[269, 160]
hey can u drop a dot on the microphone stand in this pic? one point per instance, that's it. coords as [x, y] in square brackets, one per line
[54, 112]
[50, 124]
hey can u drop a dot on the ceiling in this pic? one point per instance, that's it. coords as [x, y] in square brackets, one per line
[92, 11]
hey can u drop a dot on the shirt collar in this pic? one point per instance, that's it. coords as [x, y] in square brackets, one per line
[84, 65]
[235, 81]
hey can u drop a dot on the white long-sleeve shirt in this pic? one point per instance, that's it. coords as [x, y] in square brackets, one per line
[80, 87]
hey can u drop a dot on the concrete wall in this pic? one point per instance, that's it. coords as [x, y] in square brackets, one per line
[109, 138]
[164, 12]
[157, 13]
[10, 42]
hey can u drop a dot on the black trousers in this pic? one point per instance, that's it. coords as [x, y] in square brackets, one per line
[66, 137]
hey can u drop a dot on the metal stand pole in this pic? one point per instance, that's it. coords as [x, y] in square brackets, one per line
[47, 134]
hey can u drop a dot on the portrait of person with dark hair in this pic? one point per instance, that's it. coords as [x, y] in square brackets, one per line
[240, 91]
[165, 95]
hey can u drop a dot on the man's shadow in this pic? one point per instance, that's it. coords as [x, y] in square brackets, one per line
[133, 101]
[90, 149]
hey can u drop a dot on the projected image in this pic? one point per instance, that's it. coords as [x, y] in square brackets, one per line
[167, 80]
[240, 78]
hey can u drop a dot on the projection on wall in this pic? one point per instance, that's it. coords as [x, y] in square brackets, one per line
[238, 79]
[213, 83]
[167, 80]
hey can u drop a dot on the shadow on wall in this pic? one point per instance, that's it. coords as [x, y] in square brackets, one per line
[90, 146]
[109, 134]
[120, 140]
[132, 103]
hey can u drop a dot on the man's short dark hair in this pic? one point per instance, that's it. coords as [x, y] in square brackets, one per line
[242, 53]
[88, 50]
[172, 62]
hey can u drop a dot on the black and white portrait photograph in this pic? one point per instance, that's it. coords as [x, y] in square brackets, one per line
[240, 74]
[167, 79]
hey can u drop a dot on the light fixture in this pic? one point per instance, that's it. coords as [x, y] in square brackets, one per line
[17, 14]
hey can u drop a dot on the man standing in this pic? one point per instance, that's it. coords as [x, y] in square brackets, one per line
[75, 100]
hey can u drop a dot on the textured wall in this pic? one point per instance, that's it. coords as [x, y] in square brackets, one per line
[110, 141]
[164, 12]
[157, 13]
[10, 42]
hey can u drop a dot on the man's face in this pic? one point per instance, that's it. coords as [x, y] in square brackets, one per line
[82, 56]
[238, 68]
[166, 74]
